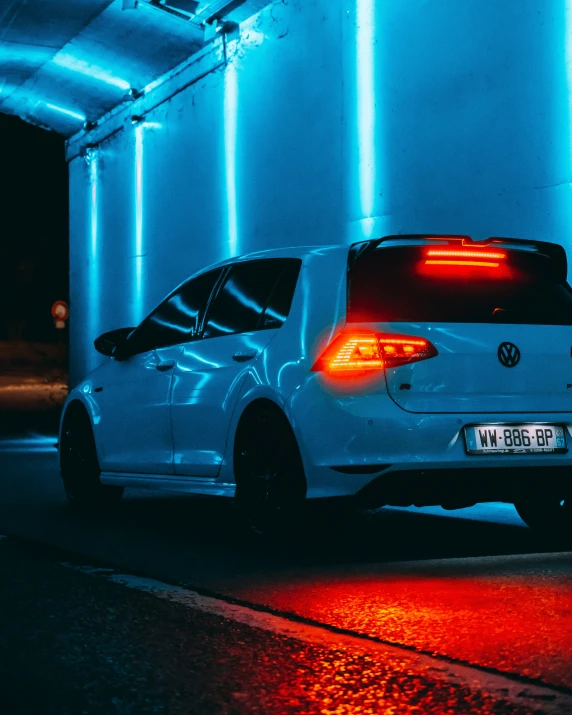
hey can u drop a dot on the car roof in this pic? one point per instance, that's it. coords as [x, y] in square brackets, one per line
[285, 252]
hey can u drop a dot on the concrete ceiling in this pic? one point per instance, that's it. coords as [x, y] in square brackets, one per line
[67, 62]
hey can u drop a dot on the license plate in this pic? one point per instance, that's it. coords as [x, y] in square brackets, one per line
[515, 439]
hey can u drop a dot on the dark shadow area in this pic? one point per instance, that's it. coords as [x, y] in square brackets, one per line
[25, 419]
[34, 269]
[34, 245]
[330, 533]
[193, 532]
[200, 541]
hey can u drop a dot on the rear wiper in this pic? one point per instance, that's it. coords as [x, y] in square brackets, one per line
[502, 315]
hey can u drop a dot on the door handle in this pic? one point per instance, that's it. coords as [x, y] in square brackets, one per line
[244, 355]
[165, 365]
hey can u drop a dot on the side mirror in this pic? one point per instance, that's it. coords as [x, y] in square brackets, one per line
[110, 343]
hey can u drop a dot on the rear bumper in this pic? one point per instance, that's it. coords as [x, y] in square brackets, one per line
[459, 488]
[336, 430]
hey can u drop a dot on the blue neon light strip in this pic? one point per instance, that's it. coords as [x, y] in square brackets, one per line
[93, 205]
[138, 283]
[65, 112]
[365, 77]
[93, 297]
[87, 69]
[230, 140]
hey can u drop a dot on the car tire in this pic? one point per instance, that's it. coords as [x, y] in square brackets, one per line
[269, 474]
[546, 509]
[79, 465]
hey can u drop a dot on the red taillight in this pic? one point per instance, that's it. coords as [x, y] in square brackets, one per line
[358, 352]
[433, 252]
[479, 264]
[401, 349]
[478, 259]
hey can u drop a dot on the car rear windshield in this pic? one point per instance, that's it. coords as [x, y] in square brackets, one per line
[395, 284]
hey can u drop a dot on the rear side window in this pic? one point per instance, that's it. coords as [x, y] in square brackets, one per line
[255, 296]
[177, 319]
[395, 284]
[280, 301]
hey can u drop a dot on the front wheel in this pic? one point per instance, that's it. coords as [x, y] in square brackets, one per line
[79, 465]
[547, 508]
[270, 479]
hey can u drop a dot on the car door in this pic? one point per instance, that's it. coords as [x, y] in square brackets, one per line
[249, 307]
[135, 426]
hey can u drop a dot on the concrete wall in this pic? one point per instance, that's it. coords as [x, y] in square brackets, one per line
[330, 122]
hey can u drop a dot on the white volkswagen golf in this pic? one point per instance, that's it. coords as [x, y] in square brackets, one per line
[408, 370]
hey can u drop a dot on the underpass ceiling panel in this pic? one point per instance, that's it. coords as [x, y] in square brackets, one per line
[53, 111]
[94, 72]
[32, 33]
[46, 22]
[18, 62]
[139, 45]
[63, 61]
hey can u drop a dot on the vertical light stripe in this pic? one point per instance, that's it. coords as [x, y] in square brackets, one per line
[230, 141]
[93, 294]
[93, 206]
[567, 29]
[138, 274]
[365, 78]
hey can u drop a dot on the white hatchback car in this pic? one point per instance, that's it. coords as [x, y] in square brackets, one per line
[406, 370]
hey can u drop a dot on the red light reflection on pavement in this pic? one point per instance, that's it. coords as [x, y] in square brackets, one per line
[341, 683]
[517, 623]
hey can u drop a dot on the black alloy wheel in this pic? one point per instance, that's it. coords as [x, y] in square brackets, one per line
[79, 465]
[270, 479]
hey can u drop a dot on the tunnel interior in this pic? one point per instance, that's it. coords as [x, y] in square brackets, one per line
[199, 131]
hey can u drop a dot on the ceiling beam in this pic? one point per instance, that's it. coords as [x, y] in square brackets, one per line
[211, 10]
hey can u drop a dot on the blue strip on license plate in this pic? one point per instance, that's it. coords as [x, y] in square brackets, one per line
[515, 439]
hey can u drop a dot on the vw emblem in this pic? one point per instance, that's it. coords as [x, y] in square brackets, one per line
[509, 354]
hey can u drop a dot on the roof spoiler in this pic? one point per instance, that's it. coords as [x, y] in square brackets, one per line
[554, 251]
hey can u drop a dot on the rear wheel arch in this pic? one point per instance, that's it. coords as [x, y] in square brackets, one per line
[256, 407]
[268, 467]
[259, 406]
[546, 507]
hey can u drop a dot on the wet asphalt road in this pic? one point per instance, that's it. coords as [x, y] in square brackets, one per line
[482, 591]
[74, 644]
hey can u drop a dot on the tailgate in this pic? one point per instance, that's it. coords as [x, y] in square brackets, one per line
[472, 373]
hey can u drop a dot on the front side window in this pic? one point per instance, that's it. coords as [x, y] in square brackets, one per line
[178, 318]
[253, 297]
